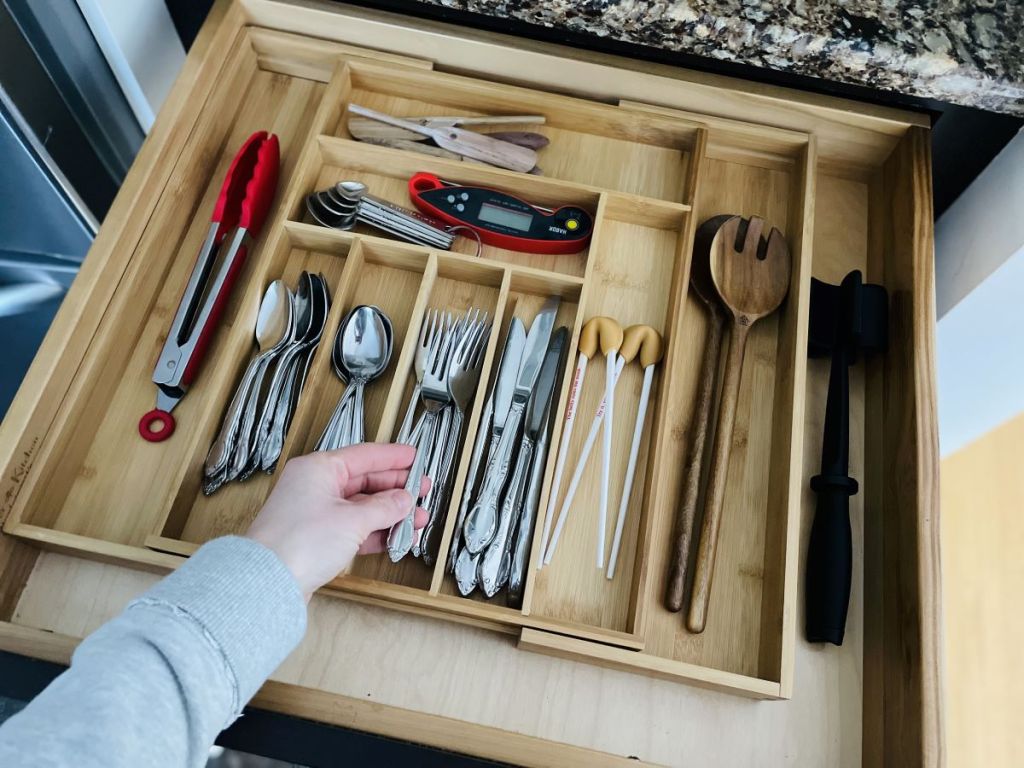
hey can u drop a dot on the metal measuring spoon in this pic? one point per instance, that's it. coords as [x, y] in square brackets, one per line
[342, 200]
[273, 325]
[325, 216]
[352, 191]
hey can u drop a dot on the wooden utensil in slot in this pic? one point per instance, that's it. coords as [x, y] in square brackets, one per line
[373, 132]
[704, 287]
[463, 142]
[521, 138]
[367, 129]
[751, 276]
[414, 146]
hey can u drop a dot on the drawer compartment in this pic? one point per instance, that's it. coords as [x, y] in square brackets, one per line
[591, 144]
[103, 481]
[635, 268]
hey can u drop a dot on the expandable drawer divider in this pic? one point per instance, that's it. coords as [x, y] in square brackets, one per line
[650, 175]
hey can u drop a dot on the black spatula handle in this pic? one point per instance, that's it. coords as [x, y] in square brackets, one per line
[829, 561]
[830, 551]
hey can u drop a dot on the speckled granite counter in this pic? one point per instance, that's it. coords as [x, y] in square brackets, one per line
[960, 51]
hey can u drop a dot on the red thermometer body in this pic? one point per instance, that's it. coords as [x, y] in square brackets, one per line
[501, 219]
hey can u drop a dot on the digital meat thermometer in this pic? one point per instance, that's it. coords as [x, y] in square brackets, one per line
[501, 219]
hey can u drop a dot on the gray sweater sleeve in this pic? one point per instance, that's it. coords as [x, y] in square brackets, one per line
[154, 686]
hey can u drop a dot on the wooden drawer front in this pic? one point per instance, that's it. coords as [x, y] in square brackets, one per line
[651, 174]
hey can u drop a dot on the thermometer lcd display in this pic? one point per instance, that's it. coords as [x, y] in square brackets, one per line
[495, 214]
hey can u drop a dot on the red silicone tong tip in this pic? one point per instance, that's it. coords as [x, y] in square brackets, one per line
[250, 184]
[262, 185]
[156, 425]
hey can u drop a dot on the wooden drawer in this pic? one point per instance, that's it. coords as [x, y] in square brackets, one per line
[653, 151]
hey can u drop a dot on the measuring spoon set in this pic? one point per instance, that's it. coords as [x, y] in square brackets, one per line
[619, 347]
[349, 202]
[289, 326]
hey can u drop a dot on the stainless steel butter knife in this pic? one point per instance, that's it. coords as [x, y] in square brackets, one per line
[482, 521]
[491, 423]
[495, 564]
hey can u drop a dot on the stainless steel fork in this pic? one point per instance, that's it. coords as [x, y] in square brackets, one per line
[434, 394]
[434, 323]
[463, 377]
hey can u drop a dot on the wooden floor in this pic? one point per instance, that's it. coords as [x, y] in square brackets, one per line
[983, 584]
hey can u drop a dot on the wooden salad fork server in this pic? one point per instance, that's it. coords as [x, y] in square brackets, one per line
[704, 287]
[751, 276]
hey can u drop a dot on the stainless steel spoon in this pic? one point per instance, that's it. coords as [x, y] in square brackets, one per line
[272, 330]
[247, 462]
[365, 353]
[361, 353]
[241, 447]
[320, 303]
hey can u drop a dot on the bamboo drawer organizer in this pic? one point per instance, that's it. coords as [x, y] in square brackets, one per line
[649, 174]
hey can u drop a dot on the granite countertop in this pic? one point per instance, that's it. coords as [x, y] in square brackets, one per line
[959, 51]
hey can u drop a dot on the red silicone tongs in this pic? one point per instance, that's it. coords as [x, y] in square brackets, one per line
[241, 209]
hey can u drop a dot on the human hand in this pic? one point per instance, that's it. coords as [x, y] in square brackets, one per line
[329, 507]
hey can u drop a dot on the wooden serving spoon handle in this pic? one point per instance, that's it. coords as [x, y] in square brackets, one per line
[707, 549]
[675, 589]
[414, 146]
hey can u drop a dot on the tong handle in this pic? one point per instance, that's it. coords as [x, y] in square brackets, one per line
[213, 308]
[250, 184]
[244, 201]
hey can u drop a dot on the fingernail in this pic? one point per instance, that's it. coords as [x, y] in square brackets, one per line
[401, 497]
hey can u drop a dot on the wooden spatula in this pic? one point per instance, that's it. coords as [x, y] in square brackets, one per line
[751, 277]
[462, 142]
